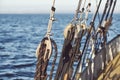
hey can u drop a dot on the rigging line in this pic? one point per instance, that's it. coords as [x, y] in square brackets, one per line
[82, 11]
[104, 12]
[113, 8]
[98, 11]
[79, 39]
[42, 64]
[76, 48]
[53, 3]
[94, 16]
[51, 19]
[110, 5]
[78, 10]
[54, 60]
[73, 35]
[91, 25]
[41, 73]
[77, 44]
[44, 51]
[107, 22]
[88, 35]
[87, 11]
[100, 23]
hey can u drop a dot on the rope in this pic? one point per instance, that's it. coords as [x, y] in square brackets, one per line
[71, 46]
[78, 10]
[87, 10]
[53, 3]
[51, 19]
[98, 11]
[87, 38]
[45, 50]
[54, 60]
[82, 11]
[41, 63]
[104, 12]
[113, 8]
[84, 22]
[41, 66]
[103, 30]
[110, 5]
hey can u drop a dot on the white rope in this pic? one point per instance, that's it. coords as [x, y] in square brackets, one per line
[82, 11]
[51, 20]
[53, 2]
[78, 10]
[87, 11]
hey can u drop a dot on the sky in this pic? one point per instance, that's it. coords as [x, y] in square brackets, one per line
[43, 6]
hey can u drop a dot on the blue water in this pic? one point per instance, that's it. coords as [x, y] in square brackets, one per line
[20, 35]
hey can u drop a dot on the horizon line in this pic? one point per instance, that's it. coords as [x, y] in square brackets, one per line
[55, 13]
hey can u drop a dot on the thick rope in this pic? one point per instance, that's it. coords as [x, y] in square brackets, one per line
[54, 60]
[43, 55]
[42, 64]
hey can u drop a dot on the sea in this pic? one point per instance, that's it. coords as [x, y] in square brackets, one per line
[20, 35]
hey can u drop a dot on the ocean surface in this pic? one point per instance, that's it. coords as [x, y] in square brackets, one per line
[20, 35]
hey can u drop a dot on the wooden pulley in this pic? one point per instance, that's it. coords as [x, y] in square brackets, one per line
[48, 48]
[68, 29]
[80, 27]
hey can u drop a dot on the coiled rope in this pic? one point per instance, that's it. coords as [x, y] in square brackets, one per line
[44, 51]
[42, 62]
